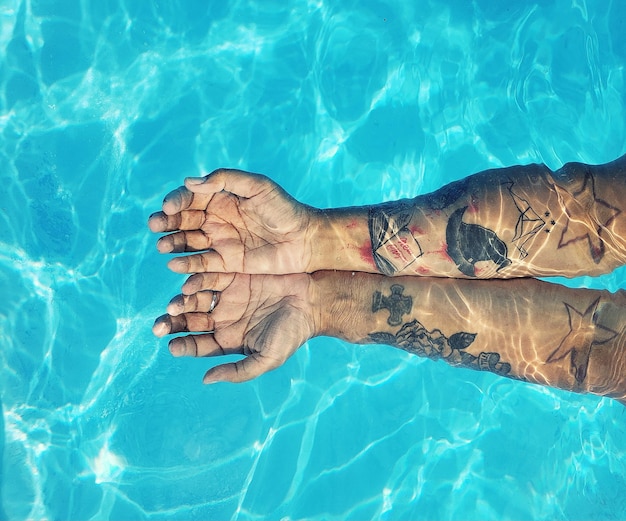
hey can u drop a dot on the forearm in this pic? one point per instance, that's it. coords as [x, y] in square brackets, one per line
[514, 222]
[525, 329]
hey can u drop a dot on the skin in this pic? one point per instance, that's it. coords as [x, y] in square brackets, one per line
[497, 326]
[241, 222]
[265, 318]
[256, 247]
[523, 221]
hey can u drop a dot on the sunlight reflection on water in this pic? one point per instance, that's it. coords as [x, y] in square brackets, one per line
[106, 106]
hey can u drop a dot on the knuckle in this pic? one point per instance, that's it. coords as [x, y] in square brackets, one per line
[204, 262]
[209, 280]
[192, 346]
[182, 264]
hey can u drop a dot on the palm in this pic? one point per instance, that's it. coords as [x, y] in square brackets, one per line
[255, 228]
[265, 318]
[263, 234]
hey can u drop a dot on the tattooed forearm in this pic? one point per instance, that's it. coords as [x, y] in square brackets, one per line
[524, 329]
[393, 246]
[415, 338]
[502, 223]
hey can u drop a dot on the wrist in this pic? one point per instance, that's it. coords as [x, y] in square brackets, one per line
[337, 299]
[339, 240]
[320, 293]
[316, 240]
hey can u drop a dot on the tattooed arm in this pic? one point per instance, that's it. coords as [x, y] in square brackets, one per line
[524, 329]
[513, 222]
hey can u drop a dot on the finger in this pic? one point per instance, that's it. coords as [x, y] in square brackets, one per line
[209, 261]
[184, 220]
[236, 182]
[194, 240]
[186, 322]
[250, 367]
[200, 345]
[201, 301]
[207, 281]
[183, 199]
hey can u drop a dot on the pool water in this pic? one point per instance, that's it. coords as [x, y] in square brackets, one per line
[105, 105]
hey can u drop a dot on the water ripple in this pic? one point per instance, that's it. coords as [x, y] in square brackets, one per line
[106, 106]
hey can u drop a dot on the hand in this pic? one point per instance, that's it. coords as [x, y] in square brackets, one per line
[243, 223]
[264, 317]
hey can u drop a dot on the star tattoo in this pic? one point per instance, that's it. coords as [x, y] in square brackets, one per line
[584, 333]
[576, 205]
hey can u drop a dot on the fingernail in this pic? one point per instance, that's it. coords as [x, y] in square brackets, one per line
[209, 380]
[176, 348]
[171, 203]
[194, 181]
[177, 265]
[164, 245]
[154, 223]
[176, 306]
[159, 328]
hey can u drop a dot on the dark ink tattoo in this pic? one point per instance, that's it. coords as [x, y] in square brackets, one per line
[584, 333]
[578, 205]
[414, 338]
[397, 304]
[393, 246]
[528, 223]
[471, 243]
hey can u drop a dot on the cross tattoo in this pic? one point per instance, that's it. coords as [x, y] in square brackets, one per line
[397, 304]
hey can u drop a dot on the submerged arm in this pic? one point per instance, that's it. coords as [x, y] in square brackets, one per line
[524, 329]
[512, 222]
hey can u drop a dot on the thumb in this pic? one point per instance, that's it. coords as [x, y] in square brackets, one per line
[243, 370]
[237, 182]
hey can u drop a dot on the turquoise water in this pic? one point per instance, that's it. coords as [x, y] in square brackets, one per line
[105, 105]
